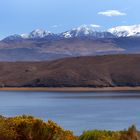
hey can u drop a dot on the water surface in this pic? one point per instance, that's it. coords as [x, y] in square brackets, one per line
[76, 111]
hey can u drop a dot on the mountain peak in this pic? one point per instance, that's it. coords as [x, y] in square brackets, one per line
[83, 30]
[35, 34]
[86, 31]
[39, 33]
[126, 31]
[14, 37]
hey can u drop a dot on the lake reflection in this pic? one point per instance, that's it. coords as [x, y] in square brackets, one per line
[76, 111]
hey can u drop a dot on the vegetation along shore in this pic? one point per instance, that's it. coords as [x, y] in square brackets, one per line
[30, 128]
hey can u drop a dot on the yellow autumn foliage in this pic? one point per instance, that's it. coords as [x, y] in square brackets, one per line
[30, 128]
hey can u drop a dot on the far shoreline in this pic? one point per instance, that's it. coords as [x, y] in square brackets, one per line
[70, 89]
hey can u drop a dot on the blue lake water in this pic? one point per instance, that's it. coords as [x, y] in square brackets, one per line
[76, 111]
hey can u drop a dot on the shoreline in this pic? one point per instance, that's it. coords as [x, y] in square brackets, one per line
[70, 89]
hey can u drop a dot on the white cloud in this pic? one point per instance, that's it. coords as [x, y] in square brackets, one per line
[56, 26]
[95, 25]
[111, 13]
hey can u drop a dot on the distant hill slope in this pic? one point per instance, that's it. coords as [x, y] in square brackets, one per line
[99, 71]
[40, 50]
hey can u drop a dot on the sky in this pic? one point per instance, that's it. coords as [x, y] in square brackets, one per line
[23, 16]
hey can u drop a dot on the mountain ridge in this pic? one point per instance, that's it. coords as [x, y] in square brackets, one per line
[80, 32]
[126, 31]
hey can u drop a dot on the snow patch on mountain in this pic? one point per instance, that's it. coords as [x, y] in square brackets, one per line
[86, 31]
[39, 33]
[25, 36]
[126, 31]
[83, 30]
[35, 34]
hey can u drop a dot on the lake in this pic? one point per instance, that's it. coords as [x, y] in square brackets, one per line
[76, 111]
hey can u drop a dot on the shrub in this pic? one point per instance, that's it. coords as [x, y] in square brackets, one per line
[130, 134]
[29, 128]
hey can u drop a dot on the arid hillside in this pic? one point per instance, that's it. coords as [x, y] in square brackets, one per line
[94, 71]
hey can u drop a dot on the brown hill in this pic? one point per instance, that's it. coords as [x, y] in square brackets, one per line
[94, 71]
[44, 50]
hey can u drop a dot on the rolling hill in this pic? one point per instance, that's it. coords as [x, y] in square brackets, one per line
[93, 71]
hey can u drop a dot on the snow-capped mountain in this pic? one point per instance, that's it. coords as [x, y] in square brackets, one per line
[14, 37]
[81, 41]
[126, 31]
[39, 33]
[85, 31]
[35, 34]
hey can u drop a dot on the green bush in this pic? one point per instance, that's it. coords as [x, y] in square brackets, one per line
[29, 128]
[97, 135]
[130, 134]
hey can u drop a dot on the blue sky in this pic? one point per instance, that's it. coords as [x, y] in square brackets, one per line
[21, 16]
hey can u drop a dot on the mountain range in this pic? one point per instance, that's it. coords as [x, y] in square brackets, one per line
[80, 32]
[81, 41]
